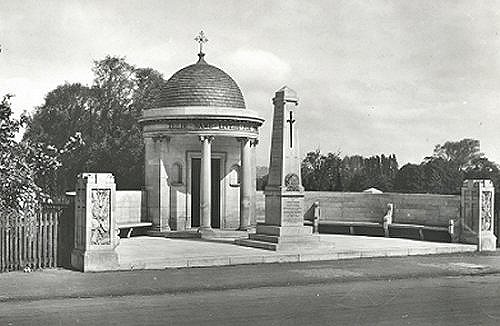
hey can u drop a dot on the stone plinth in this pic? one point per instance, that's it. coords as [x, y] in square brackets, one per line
[477, 216]
[284, 221]
[284, 208]
[96, 233]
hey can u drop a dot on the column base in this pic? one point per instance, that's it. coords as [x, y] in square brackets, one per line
[206, 232]
[163, 228]
[252, 229]
[94, 260]
[488, 242]
[248, 229]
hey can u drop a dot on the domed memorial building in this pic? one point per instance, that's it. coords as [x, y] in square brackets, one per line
[200, 152]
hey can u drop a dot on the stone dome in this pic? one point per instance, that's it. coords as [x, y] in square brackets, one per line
[201, 84]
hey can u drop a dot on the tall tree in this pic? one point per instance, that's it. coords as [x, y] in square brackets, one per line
[106, 116]
[409, 179]
[321, 172]
[359, 173]
[441, 176]
[18, 190]
[444, 171]
[66, 110]
[310, 167]
[352, 173]
[462, 152]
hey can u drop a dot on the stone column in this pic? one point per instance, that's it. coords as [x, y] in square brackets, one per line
[206, 183]
[151, 168]
[253, 193]
[156, 180]
[245, 183]
[163, 187]
[477, 212]
[96, 233]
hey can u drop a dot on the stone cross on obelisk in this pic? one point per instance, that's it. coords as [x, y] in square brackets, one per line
[291, 121]
[284, 224]
[284, 165]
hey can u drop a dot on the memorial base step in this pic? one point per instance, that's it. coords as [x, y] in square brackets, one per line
[194, 233]
[256, 244]
[292, 230]
[282, 244]
[184, 234]
[225, 234]
[273, 237]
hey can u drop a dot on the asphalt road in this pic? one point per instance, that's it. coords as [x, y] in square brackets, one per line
[443, 300]
[57, 284]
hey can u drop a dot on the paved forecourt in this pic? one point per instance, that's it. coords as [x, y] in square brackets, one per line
[159, 253]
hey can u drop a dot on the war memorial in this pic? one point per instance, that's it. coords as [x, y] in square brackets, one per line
[200, 183]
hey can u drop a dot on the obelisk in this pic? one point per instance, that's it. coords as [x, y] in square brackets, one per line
[284, 221]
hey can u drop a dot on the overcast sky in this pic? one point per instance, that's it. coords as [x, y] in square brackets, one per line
[373, 77]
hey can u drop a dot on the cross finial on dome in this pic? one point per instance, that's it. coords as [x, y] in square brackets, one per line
[201, 39]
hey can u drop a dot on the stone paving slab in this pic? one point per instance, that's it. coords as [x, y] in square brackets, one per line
[160, 253]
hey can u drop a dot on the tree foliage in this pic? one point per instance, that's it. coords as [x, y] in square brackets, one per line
[360, 173]
[352, 173]
[461, 153]
[27, 169]
[18, 190]
[105, 115]
[441, 176]
[409, 179]
[321, 172]
[444, 171]
[441, 173]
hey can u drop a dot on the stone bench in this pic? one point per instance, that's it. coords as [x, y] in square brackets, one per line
[354, 227]
[312, 218]
[133, 225]
[420, 230]
[385, 227]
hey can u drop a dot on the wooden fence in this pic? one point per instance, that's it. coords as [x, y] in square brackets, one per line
[30, 242]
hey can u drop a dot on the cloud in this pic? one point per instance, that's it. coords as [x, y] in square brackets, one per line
[373, 76]
[259, 73]
[27, 93]
[257, 69]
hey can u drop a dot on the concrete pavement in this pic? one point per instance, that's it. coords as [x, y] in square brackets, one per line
[159, 253]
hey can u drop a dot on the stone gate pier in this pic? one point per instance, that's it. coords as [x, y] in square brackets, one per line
[477, 214]
[96, 236]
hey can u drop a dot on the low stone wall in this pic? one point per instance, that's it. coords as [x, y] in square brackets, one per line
[129, 204]
[426, 209]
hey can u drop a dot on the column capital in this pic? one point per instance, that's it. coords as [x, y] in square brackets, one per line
[208, 138]
[254, 142]
[242, 139]
[160, 138]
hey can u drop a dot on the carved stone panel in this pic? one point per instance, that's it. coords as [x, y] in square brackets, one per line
[292, 211]
[292, 182]
[100, 229]
[486, 210]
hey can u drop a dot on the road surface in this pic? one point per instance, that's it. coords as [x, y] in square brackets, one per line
[452, 300]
